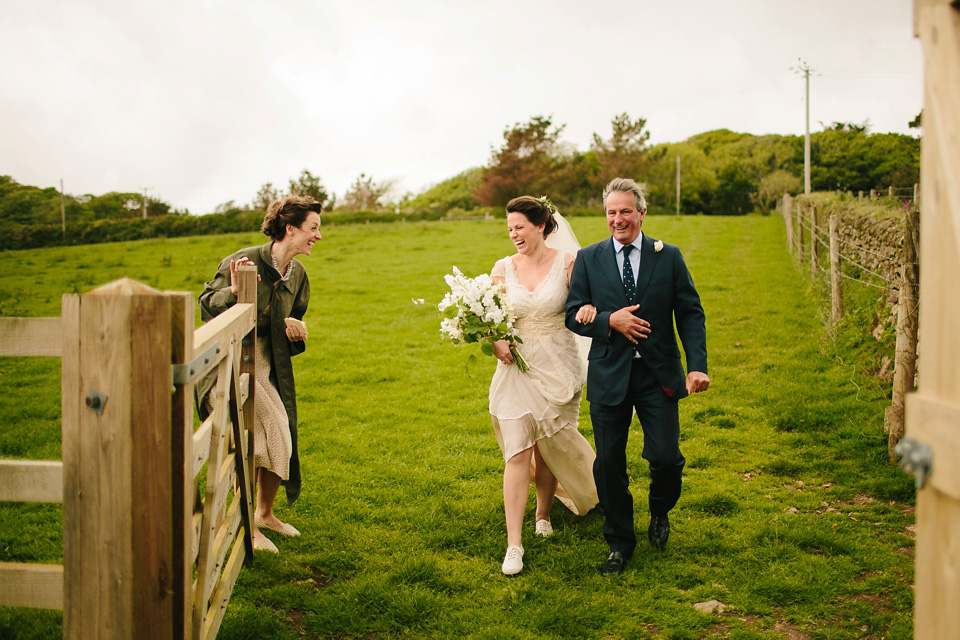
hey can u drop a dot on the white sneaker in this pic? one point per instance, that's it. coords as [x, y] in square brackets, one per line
[544, 528]
[512, 561]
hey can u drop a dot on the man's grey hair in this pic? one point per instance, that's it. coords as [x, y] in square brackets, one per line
[625, 185]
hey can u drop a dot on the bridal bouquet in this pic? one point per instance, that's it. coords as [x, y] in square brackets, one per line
[476, 310]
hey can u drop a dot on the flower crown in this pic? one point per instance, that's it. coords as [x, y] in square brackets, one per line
[545, 201]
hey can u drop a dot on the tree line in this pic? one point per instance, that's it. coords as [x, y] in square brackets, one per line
[722, 172]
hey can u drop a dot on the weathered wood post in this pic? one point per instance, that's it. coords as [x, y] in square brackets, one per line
[836, 281]
[905, 362]
[786, 209]
[891, 191]
[798, 236]
[247, 293]
[118, 547]
[814, 242]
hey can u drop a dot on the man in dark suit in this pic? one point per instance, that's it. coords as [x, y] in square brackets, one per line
[638, 285]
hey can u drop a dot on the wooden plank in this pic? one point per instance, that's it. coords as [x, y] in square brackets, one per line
[201, 444]
[151, 468]
[221, 399]
[39, 586]
[226, 534]
[75, 503]
[244, 484]
[31, 481]
[933, 415]
[104, 450]
[184, 480]
[228, 327]
[245, 388]
[227, 478]
[196, 523]
[30, 337]
[243, 431]
[221, 596]
[938, 565]
[939, 31]
[937, 424]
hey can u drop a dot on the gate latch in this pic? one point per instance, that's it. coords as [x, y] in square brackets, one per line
[916, 458]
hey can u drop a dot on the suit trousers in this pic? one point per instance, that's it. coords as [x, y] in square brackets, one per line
[660, 421]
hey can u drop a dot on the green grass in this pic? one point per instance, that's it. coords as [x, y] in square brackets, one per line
[790, 515]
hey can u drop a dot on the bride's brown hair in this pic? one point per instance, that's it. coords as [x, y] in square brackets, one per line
[536, 212]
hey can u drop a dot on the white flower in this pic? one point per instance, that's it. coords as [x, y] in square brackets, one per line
[658, 246]
[417, 300]
[476, 310]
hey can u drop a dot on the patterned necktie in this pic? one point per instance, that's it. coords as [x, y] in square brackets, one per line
[629, 286]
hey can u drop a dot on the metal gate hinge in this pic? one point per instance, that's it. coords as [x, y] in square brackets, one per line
[916, 458]
[188, 372]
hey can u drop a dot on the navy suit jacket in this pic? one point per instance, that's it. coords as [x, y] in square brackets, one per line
[665, 292]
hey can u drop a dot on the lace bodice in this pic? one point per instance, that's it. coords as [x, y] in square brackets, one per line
[542, 309]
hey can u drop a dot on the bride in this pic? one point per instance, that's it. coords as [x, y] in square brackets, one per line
[535, 414]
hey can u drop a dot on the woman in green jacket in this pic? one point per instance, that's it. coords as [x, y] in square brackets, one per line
[283, 291]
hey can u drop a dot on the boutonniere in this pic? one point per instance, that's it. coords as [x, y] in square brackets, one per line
[658, 246]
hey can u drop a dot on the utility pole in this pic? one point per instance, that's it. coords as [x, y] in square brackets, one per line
[805, 69]
[63, 211]
[145, 203]
[678, 185]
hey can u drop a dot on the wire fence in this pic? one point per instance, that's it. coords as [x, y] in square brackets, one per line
[894, 271]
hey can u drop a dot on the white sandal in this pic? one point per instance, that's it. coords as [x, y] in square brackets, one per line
[284, 529]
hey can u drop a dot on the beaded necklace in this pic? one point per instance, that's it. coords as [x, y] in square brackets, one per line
[283, 276]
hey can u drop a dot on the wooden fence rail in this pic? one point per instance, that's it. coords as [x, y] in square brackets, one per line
[145, 553]
[21, 584]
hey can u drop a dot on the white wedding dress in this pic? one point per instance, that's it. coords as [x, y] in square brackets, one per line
[542, 406]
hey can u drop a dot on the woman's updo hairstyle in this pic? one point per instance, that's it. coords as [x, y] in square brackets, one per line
[539, 211]
[290, 210]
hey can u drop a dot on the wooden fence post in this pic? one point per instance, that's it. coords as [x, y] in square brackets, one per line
[814, 242]
[786, 210]
[248, 364]
[117, 503]
[181, 437]
[905, 362]
[798, 236]
[836, 281]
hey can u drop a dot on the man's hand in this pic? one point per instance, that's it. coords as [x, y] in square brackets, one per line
[629, 325]
[697, 381]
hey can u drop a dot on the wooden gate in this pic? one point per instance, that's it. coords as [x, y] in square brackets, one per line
[932, 446]
[145, 553]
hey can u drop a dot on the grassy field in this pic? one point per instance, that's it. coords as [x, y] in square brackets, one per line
[790, 517]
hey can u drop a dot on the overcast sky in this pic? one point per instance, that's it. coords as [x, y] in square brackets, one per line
[203, 101]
